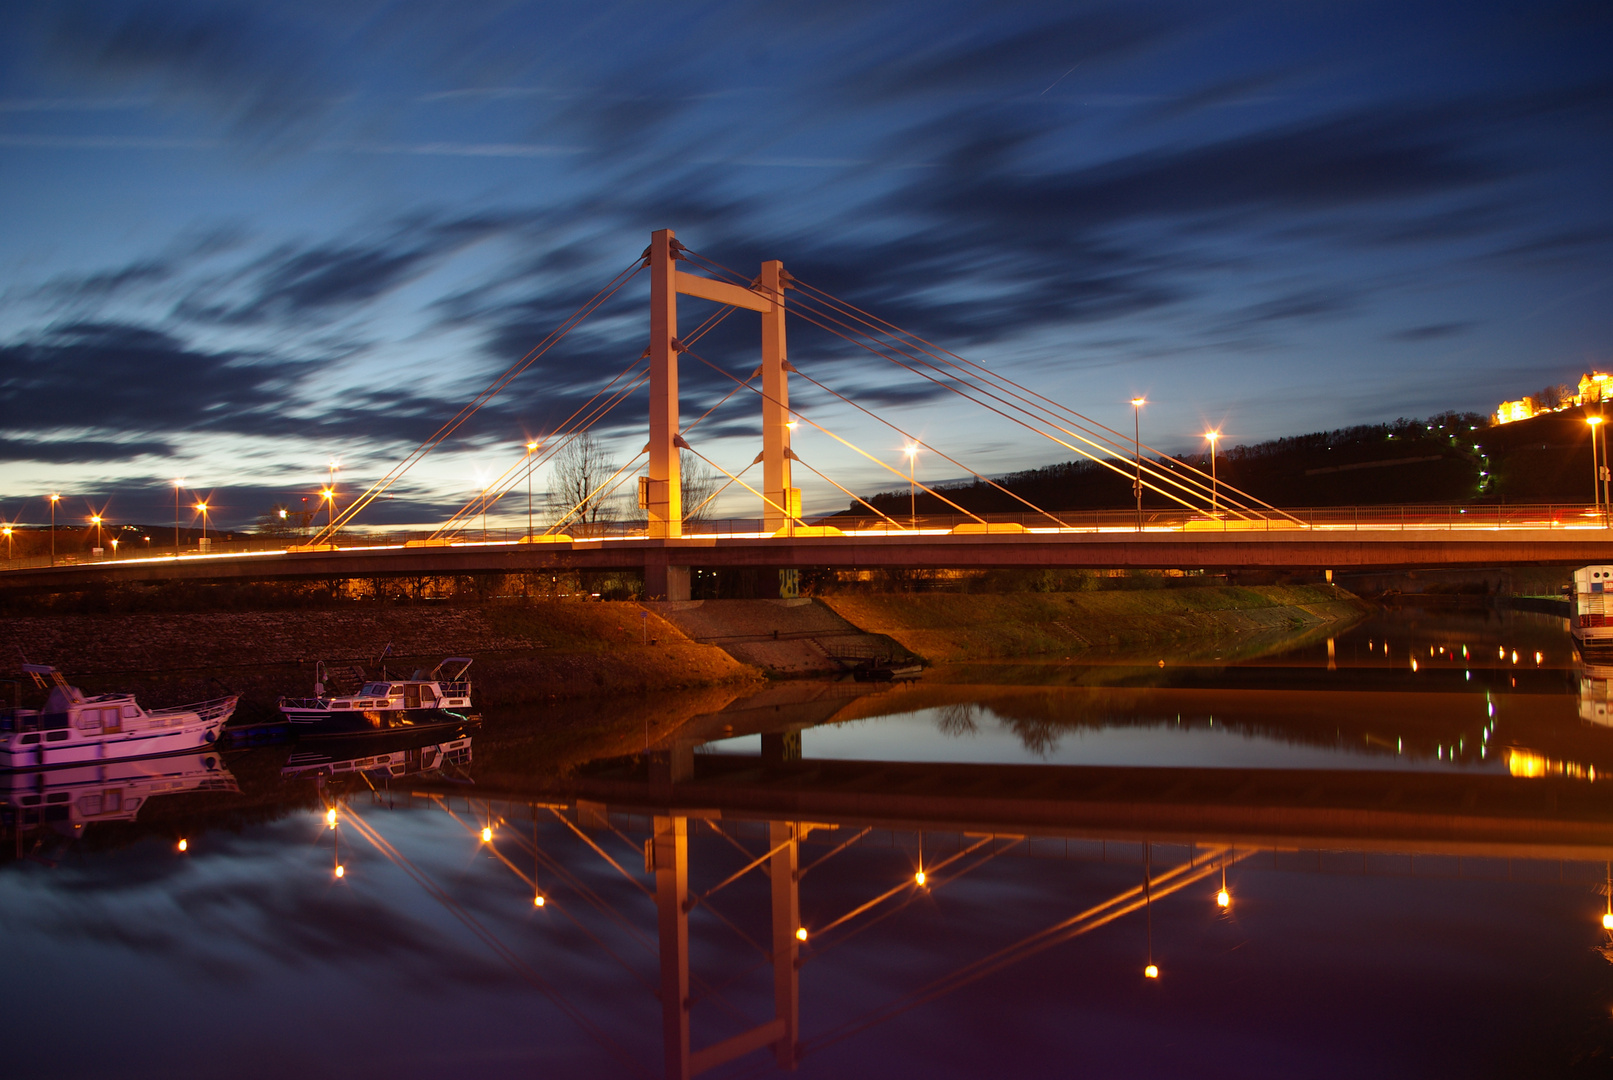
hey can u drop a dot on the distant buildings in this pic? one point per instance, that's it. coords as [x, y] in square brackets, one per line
[1594, 387]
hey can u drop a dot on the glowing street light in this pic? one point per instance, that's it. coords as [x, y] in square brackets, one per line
[328, 496]
[1137, 404]
[54, 499]
[912, 452]
[531, 447]
[202, 509]
[1596, 465]
[95, 519]
[1213, 436]
[7, 531]
[114, 543]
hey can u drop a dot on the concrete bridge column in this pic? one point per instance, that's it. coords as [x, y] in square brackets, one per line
[775, 403]
[665, 582]
[665, 495]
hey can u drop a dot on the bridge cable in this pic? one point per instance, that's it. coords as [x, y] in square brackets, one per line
[1014, 389]
[814, 316]
[499, 488]
[888, 468]
[1113, 449]
[588, 307]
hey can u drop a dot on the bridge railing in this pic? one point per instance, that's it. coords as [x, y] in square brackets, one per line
[1435, 518]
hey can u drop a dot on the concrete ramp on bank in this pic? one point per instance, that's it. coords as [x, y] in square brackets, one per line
[782, 637]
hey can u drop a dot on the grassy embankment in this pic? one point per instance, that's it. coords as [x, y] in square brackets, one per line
[537, 653]
[950, 627]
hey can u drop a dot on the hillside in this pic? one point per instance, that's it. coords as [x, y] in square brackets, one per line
[1450, 458]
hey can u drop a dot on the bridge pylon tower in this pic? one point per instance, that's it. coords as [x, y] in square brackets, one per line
[664, 495]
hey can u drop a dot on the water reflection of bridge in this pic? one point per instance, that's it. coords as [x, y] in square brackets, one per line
[776, 816]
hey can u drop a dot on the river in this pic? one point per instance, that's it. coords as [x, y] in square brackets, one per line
[1381, 852]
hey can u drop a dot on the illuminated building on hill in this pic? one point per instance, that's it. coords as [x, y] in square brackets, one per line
[1593, 388]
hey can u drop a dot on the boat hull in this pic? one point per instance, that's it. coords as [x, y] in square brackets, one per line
[308, 724]
[45, 754]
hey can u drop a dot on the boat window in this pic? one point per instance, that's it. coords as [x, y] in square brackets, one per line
[89, 805]
[89, 720]
[56, 736]
[397, 688]
[30, 738]
[131, 712]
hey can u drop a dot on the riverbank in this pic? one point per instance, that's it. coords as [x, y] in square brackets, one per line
[953, 627]
[545, 651]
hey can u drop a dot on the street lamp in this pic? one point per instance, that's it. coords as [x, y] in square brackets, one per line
[531, 447]
[202, 506]
[912, 452]
[7, 531]
[114, 543]
[328, 495]
[330, 491]
[54, 499]
[1137, 404]
[95, 519]
[178, 484]
[1212, 436]
[1596, 465]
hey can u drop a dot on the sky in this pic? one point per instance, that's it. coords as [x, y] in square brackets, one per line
[239, 241]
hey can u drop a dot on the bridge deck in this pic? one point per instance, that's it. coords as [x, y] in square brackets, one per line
[1293, 549]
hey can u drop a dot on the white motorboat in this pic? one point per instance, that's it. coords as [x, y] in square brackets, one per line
[429, 699]
[75, 729]
[1590, 609]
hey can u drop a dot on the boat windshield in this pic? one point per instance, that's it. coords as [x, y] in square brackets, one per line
[375, 689]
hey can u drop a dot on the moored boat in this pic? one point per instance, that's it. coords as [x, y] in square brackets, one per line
[438, 698]
[1590, 610]
[75, 729]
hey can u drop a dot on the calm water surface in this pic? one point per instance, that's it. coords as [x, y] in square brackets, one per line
[1405, 952]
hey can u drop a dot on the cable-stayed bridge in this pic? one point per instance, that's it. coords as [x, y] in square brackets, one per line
[1208, 524]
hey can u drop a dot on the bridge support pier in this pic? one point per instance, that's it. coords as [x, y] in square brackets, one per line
[664, 582]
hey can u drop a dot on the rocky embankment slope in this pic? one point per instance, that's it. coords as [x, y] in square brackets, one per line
[527, 654]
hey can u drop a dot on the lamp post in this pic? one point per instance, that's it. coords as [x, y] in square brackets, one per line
[95, 519]
[335, 467]
[328, 496]
[202, 506]
[531, 447]
[114, 543]
[1596, 465]
[54, 499]
[7, 531]
[1137, 404]
[178, 484]
[912, 452]
[1212, 436]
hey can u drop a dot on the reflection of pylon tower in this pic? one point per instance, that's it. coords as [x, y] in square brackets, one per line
[662, 496]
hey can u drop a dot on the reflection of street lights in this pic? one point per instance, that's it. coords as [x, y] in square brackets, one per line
[531, 446]
[1212, 436]
[912, 452]
[54, 499]
[1137, 404]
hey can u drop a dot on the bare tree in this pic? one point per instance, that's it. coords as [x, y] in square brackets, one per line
[576, 493]
[699, 482]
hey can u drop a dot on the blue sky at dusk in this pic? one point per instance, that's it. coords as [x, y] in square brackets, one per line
[239, 240]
